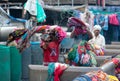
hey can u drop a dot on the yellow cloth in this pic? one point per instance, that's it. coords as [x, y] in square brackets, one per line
[112, 78]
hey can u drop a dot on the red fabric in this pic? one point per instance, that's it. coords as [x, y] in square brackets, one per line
[51, 54]
[81, 50]
[59, 69]
[94, 78]
[113, 19]
[115, 61]
[78, 24]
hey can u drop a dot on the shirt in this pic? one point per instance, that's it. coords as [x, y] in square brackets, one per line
[99, 40]
[51, 53]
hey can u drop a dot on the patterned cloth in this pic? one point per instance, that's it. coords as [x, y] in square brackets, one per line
[55, 70]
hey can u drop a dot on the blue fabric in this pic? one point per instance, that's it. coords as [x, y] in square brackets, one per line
[81, 37]
[86, 77]
[115, 33]
[76, 60]
[105, 27]
[67, 43]
[80, 79]
[24, 36]
[76, 13]
[17, 19]
[83, 78]
[118, 17]
[35, 43]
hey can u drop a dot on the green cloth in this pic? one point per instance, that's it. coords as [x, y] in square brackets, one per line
[40, 13]
[51, 67]
[72, 53]
[93, 59]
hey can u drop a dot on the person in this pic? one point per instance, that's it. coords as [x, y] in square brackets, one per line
[81, 53]
[80, 30]
[98, 40]
[50, 44]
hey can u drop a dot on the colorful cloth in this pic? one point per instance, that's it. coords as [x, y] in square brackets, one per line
[55, 70]
[78, 24]
[82, 55]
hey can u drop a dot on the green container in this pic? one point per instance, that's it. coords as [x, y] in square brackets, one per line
[4, 63]
[15, 58]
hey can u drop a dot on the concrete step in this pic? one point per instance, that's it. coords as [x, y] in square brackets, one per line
[112, 51]
[112, 46]
[115, 43]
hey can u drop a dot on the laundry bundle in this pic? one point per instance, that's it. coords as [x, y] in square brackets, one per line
[54, 31]
[55, 70]
[96, 76]
[78, 25]
[82, 55]
[21, 37]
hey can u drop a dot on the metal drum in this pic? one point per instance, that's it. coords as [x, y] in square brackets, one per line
[4, 32]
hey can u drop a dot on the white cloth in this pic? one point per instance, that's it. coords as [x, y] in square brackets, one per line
[31, 6]
[99, 40]
[97, 27]
[88, 17]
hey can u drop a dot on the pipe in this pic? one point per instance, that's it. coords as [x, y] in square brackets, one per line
[5, 31]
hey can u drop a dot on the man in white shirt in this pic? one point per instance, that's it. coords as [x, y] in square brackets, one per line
[98, 39]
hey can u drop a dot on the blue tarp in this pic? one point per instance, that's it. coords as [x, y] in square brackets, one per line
[7, 19]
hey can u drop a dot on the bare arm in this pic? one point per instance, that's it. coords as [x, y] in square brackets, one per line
[89, 34]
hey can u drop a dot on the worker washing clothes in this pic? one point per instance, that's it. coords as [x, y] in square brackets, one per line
[98, 40]
[51, 39]
[80, 30]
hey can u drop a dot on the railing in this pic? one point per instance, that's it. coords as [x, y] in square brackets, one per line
[78, 2]
[11, 5]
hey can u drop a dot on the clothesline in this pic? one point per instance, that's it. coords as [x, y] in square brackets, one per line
[104, 12]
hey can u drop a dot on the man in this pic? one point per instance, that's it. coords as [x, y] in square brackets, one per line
[98, 40]
[80, 30]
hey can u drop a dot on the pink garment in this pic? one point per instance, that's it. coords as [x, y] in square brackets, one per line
[113, 19]
[62, 34]
[78, 24]
[59, 69]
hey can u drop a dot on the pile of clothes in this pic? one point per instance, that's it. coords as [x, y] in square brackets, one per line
[55, 70]
[99, 75]
[82, 55]
[96, 76]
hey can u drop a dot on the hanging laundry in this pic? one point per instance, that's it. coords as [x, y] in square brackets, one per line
[35, 9]
[88, 17]
[105, 26]
[113, 19]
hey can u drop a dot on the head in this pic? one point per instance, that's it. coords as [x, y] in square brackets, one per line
[96, 30]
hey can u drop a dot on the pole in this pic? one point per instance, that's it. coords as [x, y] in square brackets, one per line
[72, 3]
[86, 3]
